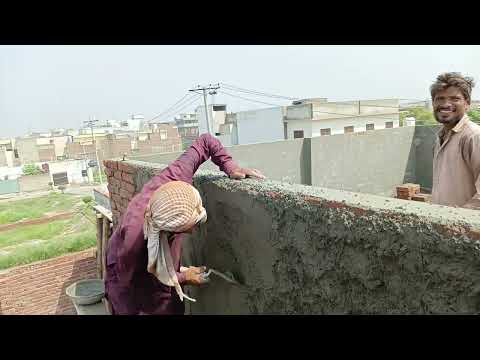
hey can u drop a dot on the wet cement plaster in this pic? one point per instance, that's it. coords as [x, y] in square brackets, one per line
[304, 250]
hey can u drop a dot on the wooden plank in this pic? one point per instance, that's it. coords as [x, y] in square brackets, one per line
[105, 237]
[99, 244]
[104, 211]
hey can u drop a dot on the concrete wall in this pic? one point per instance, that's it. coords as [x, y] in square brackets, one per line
[281, 160]
[258, 126]
[34, 182]
[27, 150]
[424, 142]
[9, 186]
[72, 167]
[305, 250]
[337, 126]
[371, 162]
[305, 125]
[3, 157]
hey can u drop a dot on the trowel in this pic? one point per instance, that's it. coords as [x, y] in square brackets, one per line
[228, 276]
[225, 276]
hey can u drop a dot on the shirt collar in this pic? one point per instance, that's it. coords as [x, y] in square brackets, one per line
[457, 128]
[461, 124]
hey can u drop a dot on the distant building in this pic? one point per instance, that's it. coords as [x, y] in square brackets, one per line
[8, 153]
[27, 150]
[309, 118]
[134, 124]
[70, 172]
[108, 146]
[312, 119]
[164, 138]
[187, 127]
[216, 117]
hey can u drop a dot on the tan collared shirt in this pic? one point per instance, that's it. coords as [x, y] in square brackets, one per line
[456, 164]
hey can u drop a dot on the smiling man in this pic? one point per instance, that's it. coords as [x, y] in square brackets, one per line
[456, 158]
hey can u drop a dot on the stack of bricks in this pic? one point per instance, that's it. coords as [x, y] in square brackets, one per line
[422, 197]
[406, 191]
[121, 186]
[411, 191]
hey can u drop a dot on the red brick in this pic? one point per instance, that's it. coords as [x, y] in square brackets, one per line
[112, 189]
[117, 174]
[114, 165]
[107, 163]
[126, 194]
[116, 198]
[115, 182]
[125, 167]
[128, 178]
[129, 187]
[108, 172]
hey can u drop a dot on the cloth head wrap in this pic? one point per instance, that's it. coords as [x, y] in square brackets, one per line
[174, 207]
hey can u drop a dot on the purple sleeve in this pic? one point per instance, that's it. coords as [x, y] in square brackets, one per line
[205, 147]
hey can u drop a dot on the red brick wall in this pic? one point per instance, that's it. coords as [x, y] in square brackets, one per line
[46, 153]
[121, 186]
[39, 288]
[155, 144]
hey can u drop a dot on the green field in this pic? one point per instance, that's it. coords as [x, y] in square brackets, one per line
[31, 243]
[13, 211]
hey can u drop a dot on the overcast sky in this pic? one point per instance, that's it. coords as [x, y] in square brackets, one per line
[43, 87]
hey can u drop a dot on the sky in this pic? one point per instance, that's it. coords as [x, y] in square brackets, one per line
[46, 87]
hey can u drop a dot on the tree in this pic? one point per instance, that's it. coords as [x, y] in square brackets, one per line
[425, 117]
[474, 116]
[31, 169]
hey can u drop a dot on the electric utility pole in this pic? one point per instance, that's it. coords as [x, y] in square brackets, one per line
[90, 124]
[204, 90]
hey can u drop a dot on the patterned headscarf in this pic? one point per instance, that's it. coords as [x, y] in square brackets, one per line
[175, 207]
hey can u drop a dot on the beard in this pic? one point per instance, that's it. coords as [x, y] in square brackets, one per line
[450, 119]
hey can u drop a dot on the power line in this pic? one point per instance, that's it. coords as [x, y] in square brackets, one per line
[178, 108]
[204, 91]
[241, 97]
[168, 110]
[187, 104]
[255, 92]
[352, 102]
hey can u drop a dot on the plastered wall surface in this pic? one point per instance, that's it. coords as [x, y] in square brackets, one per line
[373, 162]
[306, 250]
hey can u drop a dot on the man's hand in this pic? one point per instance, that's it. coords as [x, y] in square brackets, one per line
[194, 275]
[242, 173]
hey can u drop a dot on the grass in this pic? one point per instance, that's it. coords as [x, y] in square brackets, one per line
[30, 243]
[45, 241]
[13, 211]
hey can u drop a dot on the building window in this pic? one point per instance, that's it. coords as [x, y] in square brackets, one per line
[326, 131]
[163, 134]
[348, 129]
[370, 127]
[298, 134]
[16, 153]
[389, 125]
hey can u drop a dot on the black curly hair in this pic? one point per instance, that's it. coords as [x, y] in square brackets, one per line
[445, 80]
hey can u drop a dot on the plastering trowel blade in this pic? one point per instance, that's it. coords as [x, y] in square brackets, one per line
[227, 277]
